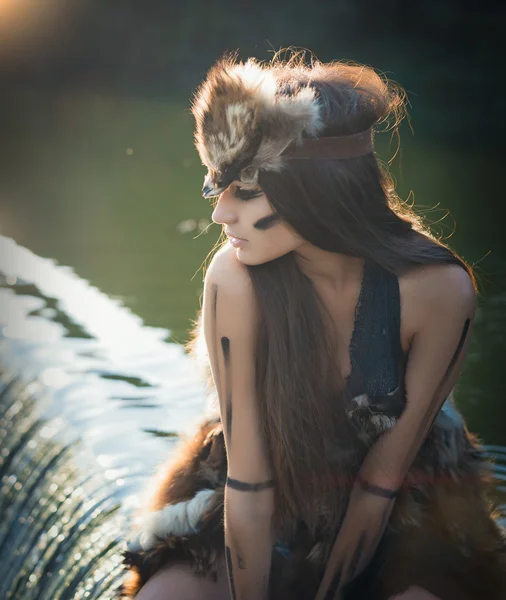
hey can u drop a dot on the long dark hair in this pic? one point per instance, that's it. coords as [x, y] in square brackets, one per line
[346, 206]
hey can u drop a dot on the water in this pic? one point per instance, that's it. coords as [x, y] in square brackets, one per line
[91, 401]
[93, 394]
[111, 186]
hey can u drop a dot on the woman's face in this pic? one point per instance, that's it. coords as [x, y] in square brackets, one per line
[245, 212]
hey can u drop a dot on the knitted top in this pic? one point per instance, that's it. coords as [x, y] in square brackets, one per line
[376, 354]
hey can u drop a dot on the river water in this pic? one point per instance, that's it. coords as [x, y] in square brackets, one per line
[91, 401]
[99, 284]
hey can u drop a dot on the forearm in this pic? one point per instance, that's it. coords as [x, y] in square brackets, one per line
[231, 319]
[357, 540]
[249, 538]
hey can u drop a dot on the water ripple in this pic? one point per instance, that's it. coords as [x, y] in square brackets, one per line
[91, 401]
[78, 440]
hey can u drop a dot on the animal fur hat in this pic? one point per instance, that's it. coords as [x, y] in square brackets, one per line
[248, 117]
[244, 121]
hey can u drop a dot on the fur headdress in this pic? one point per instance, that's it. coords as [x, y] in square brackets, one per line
[246, 118]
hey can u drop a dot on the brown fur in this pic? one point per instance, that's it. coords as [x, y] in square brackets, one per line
[349, 207]
[442, 534]
[343, 206]
[243, 124]
[200, 463]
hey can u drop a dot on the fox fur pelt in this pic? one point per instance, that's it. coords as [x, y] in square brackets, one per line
[245, 118]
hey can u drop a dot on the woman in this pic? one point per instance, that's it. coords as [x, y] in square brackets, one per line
[336, 327]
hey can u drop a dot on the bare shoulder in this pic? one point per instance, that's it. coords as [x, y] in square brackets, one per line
[227, 272]
[429, 290]
[437, 282]
[228, 287]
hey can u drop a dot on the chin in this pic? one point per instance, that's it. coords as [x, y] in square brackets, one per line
[246, 257]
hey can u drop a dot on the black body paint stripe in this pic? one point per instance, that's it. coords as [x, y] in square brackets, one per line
[334, 584]
[243, 486]
[386, 517]
[357, 555]
[376, 489]
[436, 401]
[266, 222]
[214, 337]
[384, 520]
[225, 346]
[460, 346]
[230, 572]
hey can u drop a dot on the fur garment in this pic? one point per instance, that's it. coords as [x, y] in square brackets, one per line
[442, 535]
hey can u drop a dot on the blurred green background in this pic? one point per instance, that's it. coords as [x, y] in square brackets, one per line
[99, 170]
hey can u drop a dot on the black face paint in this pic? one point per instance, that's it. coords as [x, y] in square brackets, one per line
[225, 346]
[266, 222]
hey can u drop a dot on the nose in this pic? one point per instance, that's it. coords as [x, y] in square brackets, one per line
[224, 211]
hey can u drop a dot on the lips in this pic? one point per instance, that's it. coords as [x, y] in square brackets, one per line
[235, 241]
[232, 235]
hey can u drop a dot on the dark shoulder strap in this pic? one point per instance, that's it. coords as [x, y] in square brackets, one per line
[376, 347]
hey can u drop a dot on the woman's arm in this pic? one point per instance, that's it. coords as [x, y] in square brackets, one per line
[230, 322]
[447, 303]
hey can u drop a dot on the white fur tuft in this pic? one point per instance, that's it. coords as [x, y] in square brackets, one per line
[305, 110]
[256, 78]
[244, 99]
[179, 519]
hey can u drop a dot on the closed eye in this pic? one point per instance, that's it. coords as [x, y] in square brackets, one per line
[244, 194]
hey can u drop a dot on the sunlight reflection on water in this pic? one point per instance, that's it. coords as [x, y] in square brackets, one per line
[84, 387]
[91, 402]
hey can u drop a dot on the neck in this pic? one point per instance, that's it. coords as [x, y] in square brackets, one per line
[328, 268]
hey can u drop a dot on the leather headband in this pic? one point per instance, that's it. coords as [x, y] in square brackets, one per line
[327, 148]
